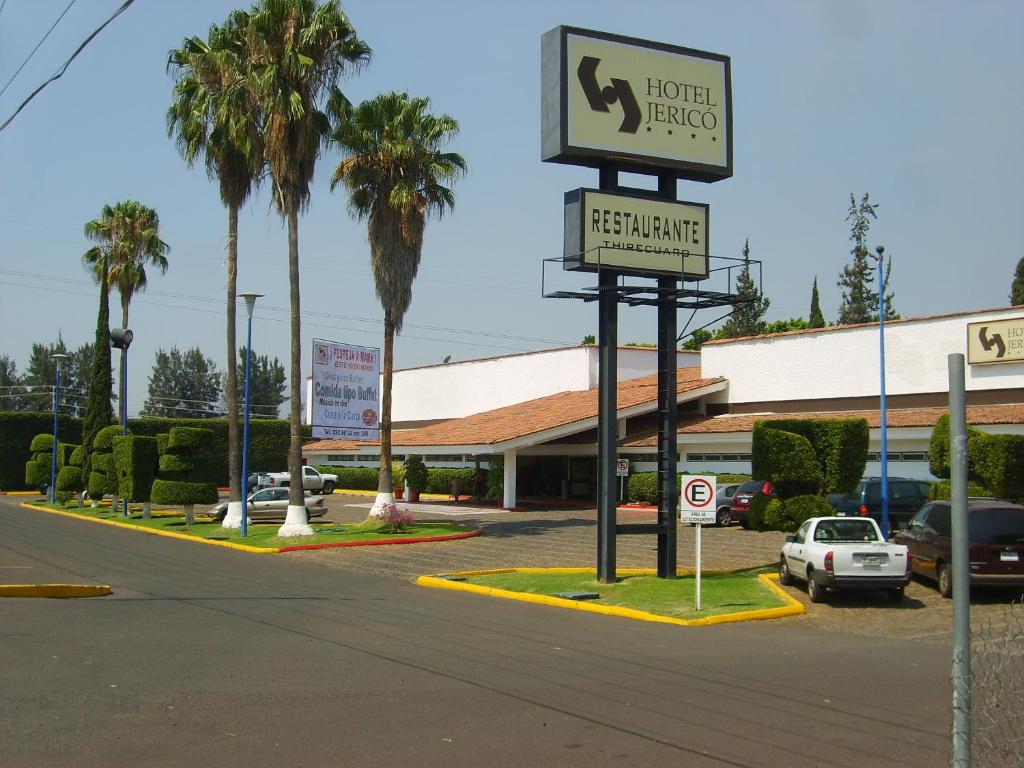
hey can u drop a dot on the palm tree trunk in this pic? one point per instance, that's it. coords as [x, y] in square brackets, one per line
[235, 480]
[385, 489]
[295, 522]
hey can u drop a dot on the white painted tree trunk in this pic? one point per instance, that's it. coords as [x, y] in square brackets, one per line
[382, 500]
[295, 522]
[233, 518]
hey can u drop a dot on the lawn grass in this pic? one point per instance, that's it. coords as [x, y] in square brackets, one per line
[261, 535]
[720, 593]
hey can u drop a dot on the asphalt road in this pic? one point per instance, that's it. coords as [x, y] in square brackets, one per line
[206, 656]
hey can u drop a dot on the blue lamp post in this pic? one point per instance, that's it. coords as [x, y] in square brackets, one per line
[879, 254]
[59, 359]
[250, 305]
[121, 338]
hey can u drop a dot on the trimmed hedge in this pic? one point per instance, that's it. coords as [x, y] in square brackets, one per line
[70, 479]
[786, 459]
[37, 468]
[17, 431]
[103, 479]
[416, 475]
[839, 448]
[758, 506]
[135, 458]
[943, 490]
[997, 461]
[441, 479]
[42, 443]
[496, 478]
[788, 515]
[179, 493]
[643, 486]
[938, 450]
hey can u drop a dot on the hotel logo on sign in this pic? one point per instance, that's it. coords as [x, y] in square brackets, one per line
[647, 106]
[996, 341]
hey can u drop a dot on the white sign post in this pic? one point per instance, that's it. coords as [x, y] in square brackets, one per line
[346, 398]
[697, 506]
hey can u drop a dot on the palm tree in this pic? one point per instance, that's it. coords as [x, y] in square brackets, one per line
[296, 53]
[396, 176]
[129, 236]
[213, 116]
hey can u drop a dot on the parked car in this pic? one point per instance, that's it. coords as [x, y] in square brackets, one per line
[271, 504]
[844, 553]
[723, 498]
[996, 543]
[312, 480]
[905, 498]
[739, 506]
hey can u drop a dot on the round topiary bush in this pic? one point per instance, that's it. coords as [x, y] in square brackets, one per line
[801, 508]
[758, 505]
[774, 517]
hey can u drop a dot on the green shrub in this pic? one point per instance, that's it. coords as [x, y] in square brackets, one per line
[642, 487]
[801, 508]
[496, 478]
[17, 430]
[77, 458]
[440, 479]
[943, 490]
[37, 471]
[358, 478]
[171, 464]
[416, 476]
[179, 493]
[135, 459]
[103, 479]
[786, 459]
[997, 461]
[397, 475]
[758, 504]
[103, 462]
[69, 483]
[839, 448]
[42, 443]
[774, 517]
[938, 449]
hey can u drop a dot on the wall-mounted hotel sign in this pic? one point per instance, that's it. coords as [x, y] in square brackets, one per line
[996, 341]
[635, 234]
[649, 107]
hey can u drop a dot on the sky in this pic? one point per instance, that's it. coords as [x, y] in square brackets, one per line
[917, 103]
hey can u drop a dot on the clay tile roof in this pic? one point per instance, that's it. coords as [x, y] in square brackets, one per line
[527, 418]
[895, 417]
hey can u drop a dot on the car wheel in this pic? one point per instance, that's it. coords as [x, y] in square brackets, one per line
[814, 590]
[724, 518]
[895, 595]
[328, 488]
[945, 580]
[785, 577]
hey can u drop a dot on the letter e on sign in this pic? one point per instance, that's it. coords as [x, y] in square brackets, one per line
[697, 499]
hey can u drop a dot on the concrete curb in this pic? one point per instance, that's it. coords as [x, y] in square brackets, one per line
[258, 550]
[792, 608]
[55, 590]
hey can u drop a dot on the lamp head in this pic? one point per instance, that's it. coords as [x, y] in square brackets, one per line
[121, 338]
[250, 301]
[59, 359]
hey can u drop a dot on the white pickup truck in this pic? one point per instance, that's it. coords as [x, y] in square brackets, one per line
[844, 553]
[312, 480]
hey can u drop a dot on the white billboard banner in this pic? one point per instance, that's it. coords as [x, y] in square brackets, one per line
[346, 391]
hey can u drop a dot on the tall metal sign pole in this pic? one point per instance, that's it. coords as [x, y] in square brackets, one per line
[960, 552]
[625, 105]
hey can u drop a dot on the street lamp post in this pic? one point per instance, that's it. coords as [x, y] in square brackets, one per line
[250, 305]
[121, 338]
[59, 359]
[879, 257]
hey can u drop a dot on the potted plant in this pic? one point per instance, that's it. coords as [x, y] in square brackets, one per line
[398, 480]
[415, 476]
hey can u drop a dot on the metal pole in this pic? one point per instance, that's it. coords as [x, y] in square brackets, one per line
[961, 581]
[53, 457]
[245, 434]
[883, 421]
[696, 581]
[607, 428]
[668, 440]
[124, 408]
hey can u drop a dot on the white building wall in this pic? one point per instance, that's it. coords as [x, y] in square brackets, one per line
[844, 363]
[458, 389]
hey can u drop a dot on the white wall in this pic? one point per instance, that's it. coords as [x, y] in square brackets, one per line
[844, 363]
[459, 389]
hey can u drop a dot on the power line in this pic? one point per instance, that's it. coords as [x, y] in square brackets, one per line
[60, 73]
[26, 61]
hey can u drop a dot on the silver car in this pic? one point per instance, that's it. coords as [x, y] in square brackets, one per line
[271, 504]
[723, 498]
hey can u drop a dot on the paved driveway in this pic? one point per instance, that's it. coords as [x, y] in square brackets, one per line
[568, 537]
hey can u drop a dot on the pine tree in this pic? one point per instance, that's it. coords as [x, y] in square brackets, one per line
[99, 413]
[815, 319]
[748, 314]
[860, 301]
[183, 385]
[266, 384]
[1017, 289]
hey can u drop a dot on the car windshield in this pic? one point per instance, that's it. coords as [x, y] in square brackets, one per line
[751, 486]
[997, 526]
[845, 531]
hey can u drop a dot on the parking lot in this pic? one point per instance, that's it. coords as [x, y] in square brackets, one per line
[548, 537]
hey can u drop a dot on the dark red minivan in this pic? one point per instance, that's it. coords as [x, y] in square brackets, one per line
[996, 554]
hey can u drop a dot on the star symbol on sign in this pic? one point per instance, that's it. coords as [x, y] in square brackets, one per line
[693, 135]
[648, 129]
[714, 138]
[669, 131]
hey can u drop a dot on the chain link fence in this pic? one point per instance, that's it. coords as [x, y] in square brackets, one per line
[997, 696]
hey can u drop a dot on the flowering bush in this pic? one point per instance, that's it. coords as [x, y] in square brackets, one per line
[396, 519]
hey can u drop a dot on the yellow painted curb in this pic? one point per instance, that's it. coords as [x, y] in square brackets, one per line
[55, 590]
[792, 608]
[153, 531]
[20, 493]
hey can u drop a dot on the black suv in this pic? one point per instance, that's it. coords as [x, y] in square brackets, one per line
[905, 498]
